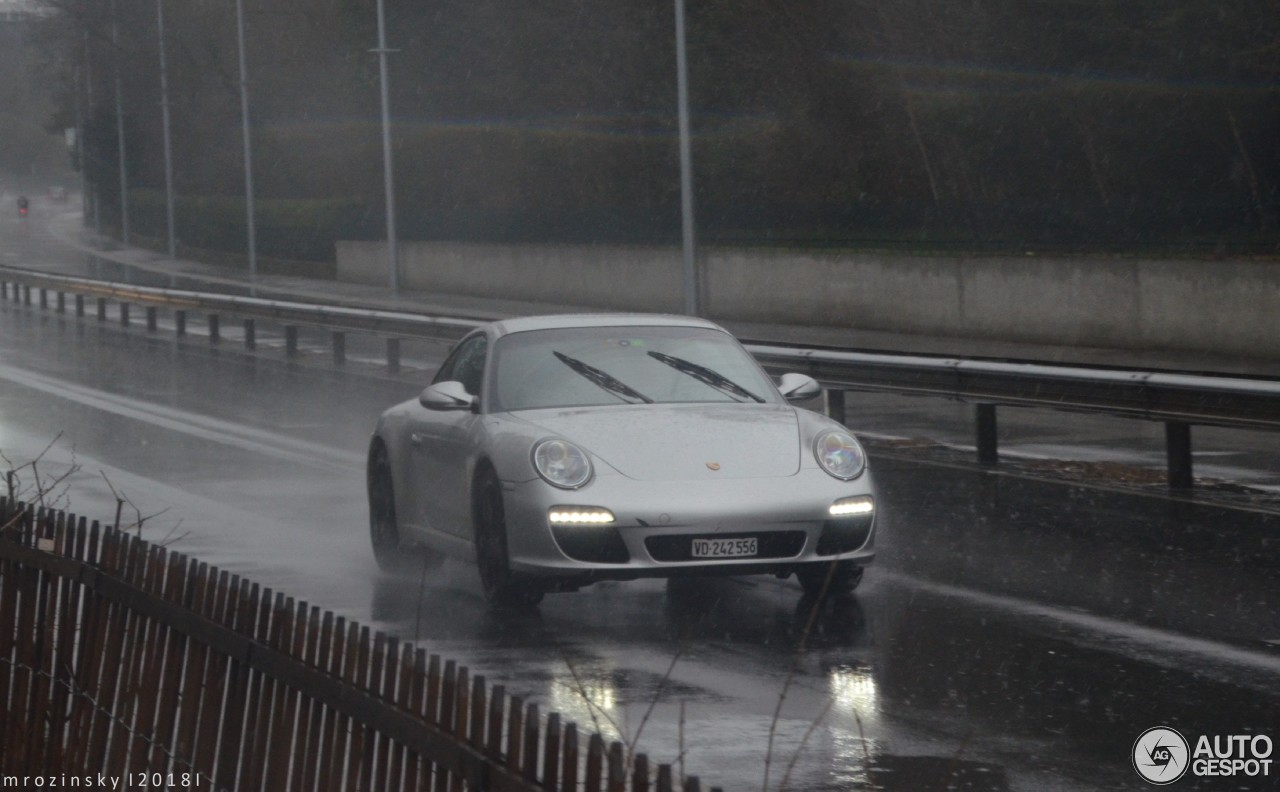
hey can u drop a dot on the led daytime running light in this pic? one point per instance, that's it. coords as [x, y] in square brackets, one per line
[568, 515]
[849, 507]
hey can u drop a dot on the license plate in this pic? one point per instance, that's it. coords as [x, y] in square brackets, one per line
[724, 548]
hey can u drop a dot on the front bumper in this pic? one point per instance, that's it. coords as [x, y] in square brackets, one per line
[656, 521]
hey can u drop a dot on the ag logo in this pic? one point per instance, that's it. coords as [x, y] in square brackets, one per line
[1160, 755]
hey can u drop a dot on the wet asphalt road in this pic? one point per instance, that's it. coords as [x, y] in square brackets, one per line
[1015, 634]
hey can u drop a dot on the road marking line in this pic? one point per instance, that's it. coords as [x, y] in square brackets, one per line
[1162, 647]
[237, 435]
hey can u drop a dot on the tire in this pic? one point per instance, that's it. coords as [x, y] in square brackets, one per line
[844, 578]
[384, 530]
[501, 586]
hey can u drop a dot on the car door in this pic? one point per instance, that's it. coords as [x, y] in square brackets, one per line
[440, 445]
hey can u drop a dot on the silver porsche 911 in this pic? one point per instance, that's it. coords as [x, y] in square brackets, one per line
[557, 451]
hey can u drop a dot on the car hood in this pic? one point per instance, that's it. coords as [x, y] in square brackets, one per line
[682, 442]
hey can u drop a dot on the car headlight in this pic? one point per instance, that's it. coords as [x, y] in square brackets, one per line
[839, 454]
[562, 464]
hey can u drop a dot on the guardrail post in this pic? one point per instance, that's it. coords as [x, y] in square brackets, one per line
[988, 444]
[102, 309]
[835, 404]
[291, 340]
[151, 318]
[339, 347]
[62, 302]
[1177, 436]
[26, 295]
[250, 334]
[180, 322]
[124, 314]
[393, 355]
[44, 299]
[214, 335]
[80, 305]
[4, 290]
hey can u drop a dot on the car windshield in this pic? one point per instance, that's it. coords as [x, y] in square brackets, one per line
[589, 366]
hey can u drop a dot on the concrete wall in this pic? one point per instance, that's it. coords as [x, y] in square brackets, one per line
[616, 278]
[1227, 308]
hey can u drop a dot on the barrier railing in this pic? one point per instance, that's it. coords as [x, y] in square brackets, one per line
[1179, 400]
[338, 320]
[123, 660]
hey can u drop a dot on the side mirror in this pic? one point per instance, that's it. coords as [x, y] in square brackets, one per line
[448, 395]
[798, 387]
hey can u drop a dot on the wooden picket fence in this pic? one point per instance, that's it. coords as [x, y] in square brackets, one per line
[121, 658]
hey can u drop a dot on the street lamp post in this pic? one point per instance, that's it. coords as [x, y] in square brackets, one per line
[388, 171]
[120, 144]
[84, 183]
[168, 144]
[692, 298]
[90, 185]
[248, 149]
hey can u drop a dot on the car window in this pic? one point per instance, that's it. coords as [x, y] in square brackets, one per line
[466, 365]
[623, 365]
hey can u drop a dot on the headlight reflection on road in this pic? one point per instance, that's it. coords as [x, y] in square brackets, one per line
[855, 722]
[854, 691]
[594, 701]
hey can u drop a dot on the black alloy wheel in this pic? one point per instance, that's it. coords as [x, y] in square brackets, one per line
[384, 530]
[844, 577]
[501, 586]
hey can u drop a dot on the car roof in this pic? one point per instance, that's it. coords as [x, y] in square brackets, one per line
[561, 321]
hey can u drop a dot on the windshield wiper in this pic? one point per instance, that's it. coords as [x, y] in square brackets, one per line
[705, 375]
[603, 379]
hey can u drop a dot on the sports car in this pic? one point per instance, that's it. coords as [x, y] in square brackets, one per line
[557, 451]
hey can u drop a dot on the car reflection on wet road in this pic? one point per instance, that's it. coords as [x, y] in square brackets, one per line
[1018, 634]
[913, 684]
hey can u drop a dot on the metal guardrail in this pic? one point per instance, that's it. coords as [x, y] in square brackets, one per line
[1179, 400]
[1150, 395]
[389, 323]
[338, 320]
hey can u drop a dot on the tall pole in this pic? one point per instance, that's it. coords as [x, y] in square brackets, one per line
[168, 143]
[91, 184]
[120, 148]
[248, 149]
[388, 172]
[84, 183]
[692, 299]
